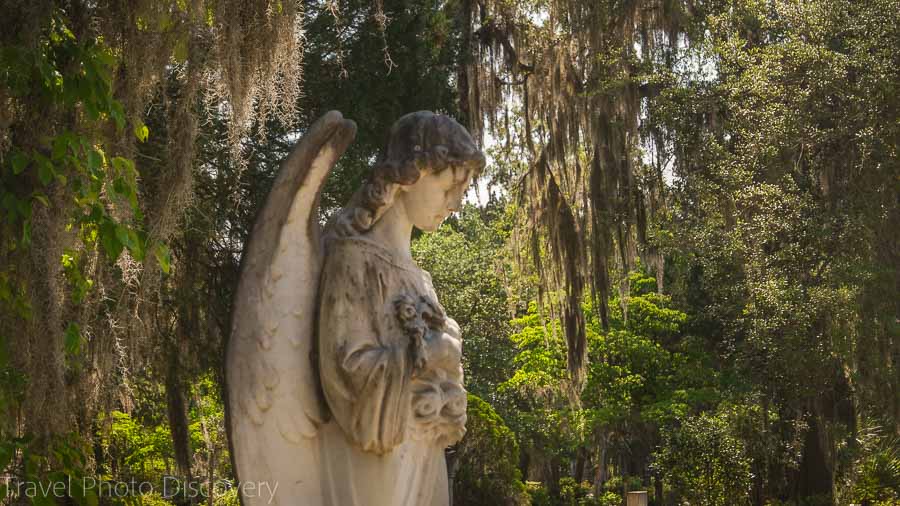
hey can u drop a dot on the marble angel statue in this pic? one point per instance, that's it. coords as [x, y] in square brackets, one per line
[343, 371]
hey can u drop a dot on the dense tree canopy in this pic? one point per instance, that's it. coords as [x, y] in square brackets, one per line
[680, 271]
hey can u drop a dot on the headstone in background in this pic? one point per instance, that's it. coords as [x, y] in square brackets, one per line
[637, 499]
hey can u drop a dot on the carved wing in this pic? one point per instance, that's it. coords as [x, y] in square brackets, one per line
[273, 406]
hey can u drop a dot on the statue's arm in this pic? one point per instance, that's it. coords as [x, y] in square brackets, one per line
[365, 374]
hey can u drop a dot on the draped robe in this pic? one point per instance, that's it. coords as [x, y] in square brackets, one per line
[391, 419]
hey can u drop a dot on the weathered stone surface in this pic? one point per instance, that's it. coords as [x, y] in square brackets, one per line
[343, 371]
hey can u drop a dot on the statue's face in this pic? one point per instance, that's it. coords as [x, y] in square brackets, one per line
[434, 196]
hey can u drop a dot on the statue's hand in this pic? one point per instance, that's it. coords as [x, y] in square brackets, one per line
[452, 328]
[435, 340]
[443, 351]
[438, 408]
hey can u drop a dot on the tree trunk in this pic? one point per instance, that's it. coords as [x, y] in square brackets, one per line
[578, 470]
[815, 477]
[602, 475]
[658, 492]
[524, 463]
[211, 456]
[178, 419]
[552, 475]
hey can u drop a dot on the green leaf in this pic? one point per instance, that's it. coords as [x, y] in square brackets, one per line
[7, 451]
[123, 165]
[94, 160]
[164, 22]
[60, 145]
[111, 244]
[163, 256]
[117, 113]
[92, 110]
[140, 239]
[19, 162]
[181, 51]
[121, 187]
[40, 197]
[90, 498]
[32, 464]
[122, 235]
[141, 131]
[132, 240]
[26, 232]
[45, 169]
[63, 29]
[106, 57]
[23, 207]
[73, 339]
[41, 500]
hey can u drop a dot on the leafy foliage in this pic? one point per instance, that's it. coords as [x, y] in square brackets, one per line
[489, 456]
[644, 374]
[705, 219]
[702, 463]
[468, 268]
[61, 72]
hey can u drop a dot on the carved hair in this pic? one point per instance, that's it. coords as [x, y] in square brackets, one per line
[419, 142]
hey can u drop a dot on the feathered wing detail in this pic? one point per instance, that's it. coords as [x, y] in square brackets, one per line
[273, 408]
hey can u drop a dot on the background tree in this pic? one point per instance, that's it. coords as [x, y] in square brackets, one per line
[743, 146]
[685, 239]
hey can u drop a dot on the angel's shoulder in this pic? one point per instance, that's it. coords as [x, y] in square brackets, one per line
[347, 252]
[362, 252]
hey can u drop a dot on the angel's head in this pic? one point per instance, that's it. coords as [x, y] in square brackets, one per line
[429, 163]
